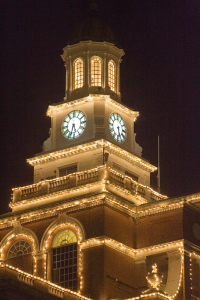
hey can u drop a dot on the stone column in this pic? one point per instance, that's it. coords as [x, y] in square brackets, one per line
[105, 85]
[40, 260]
[186, 276]
[87, 69]
[195, 276]
[174, 271]
[118, 77]
[67, 77]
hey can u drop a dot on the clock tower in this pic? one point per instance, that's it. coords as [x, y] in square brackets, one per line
[92, 113]
[90, 226]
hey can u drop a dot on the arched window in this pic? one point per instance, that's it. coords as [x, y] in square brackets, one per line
[78, 73]
[111, 75]
[64, 259]
[96, 71]
[19, 248]
[20, 256]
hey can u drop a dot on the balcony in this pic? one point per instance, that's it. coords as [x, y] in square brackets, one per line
[77, 179]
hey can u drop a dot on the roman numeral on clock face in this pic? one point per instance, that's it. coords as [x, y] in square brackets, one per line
[74, 124]
[117, 127]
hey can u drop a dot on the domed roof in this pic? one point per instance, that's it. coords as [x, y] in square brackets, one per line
[92, 28]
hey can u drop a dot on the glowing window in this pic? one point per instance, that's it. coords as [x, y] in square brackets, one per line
[96, 70]
[111, 75]
[64, 260]
[78, 73]
[19, 248]
[64, 237]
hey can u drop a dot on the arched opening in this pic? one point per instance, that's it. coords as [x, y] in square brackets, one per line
[111, 75]
[64, 259]
[19, 256]
[96, 71]
[78, 73]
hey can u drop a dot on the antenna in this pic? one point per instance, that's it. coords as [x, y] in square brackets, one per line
[158, 177]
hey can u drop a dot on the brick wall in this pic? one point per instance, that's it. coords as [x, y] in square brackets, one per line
[160, 228]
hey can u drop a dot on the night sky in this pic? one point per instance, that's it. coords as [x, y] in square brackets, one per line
[160, 77]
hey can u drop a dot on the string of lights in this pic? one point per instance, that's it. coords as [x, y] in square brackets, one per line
[111, 148]
[91, 98]
[28, 278]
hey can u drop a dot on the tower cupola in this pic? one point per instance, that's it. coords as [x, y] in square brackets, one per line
[92, 59]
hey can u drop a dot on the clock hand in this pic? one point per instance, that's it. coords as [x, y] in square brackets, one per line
[73, 127]
[118, 130]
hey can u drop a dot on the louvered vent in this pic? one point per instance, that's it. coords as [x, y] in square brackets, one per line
[67, 170]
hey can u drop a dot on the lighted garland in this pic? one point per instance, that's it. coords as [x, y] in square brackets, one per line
[197, 257]
[50, 284]
[8, 241]
[94, 171]
[135, 160]
[90, 98]
[80, 238]
[89, 202]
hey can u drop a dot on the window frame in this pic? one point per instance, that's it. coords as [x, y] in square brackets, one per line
[112, 77]
[97, 74]
[62, 274]
[78, 71]
[19, 246]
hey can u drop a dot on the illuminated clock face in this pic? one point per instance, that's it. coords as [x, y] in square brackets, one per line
[117, 127]
[74, 124]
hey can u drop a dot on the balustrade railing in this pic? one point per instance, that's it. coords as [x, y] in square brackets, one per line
[57, 185]
[141, 190]
[32, 191]
[116, 177]
[81, 178]
[133, 187]
[155, 197]
[56, 291]
[87, 177]
[25, 278]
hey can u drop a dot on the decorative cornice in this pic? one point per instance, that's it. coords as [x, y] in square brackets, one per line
[91, 98]
[151, 250]
[111, 148]
[123, 108]
[193, 198]
[105, 198]
[135, 160]
[66, 105]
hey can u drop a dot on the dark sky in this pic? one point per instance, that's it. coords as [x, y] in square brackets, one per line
[160, 77]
